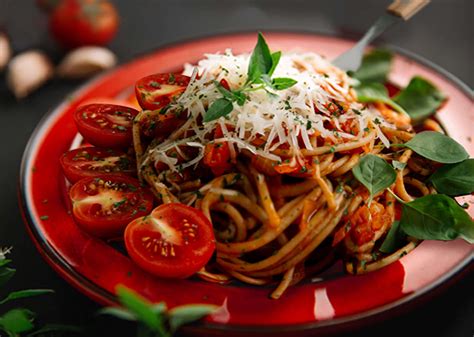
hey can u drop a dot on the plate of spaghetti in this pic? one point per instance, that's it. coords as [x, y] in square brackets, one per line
[250, 173]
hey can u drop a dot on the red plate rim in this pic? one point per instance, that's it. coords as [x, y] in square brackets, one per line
[100, 295]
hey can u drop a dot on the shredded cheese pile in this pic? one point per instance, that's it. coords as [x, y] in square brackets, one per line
[282, 117]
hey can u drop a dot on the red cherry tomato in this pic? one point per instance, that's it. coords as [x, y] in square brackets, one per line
[174, 241]
[158, 90]
[76, 23]
[104, 205]
[156, 124]
[106, 125]
[217, 155]
[93, 161]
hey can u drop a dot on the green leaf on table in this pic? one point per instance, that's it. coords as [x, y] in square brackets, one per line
[394, 240]
[375, 66]
[281, 83]
[261, 61]
[219, 108]
[185, 314]
[17, 321]
[376, 92]
[436, 217]
[118, 312]
[25, 293]
[420, 99]
[49, 329]
[374, 173]
[454, 179]
[437, 147]
[4, 262]
[6, 274]
[140, 307]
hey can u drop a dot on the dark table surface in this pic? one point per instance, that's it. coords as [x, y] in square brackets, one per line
[442, 33]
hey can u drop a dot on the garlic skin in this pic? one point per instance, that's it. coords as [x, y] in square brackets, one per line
[86, 61]
[5, 50]
[28, 71]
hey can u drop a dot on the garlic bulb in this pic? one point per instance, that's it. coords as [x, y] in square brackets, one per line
[5, 50]
[28, 71]
[86, 61]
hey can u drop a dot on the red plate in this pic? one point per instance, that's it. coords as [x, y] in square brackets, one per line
[96, 268]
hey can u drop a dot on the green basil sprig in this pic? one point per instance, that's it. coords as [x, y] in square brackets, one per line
[420, 99]
[262, 65]
[17, 321]
[436, 217]
[156, 318]
[454, 179]
[376, 92]
[437, 147]
[374, 173]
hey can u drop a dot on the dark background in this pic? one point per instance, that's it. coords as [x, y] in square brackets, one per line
[442, 33]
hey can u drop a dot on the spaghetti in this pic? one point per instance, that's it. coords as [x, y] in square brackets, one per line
[282, 197]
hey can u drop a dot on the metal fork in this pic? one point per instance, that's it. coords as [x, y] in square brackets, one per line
[398, 11]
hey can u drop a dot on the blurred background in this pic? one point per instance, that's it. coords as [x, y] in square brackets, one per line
[442, 33]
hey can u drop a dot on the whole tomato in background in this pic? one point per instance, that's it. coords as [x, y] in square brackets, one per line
[76, 23]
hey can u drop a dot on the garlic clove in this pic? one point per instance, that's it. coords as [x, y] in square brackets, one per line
[86, 61]
[28, 71]
[5, 50]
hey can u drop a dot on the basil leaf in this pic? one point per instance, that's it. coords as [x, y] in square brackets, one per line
[188, 313]
[375, 66]
[6, 274]
[436, 217]
[420, 99]
[398, 165]
[221, 107]
[374, 173]
[376, 92]
[25, 293]
[17, 321]
[454, 179]
[141, 308]
[281, 83]
[275, 60]
[261, 60]
[437, 147]
[394, 240]
[234, 96]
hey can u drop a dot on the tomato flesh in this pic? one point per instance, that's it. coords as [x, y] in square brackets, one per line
[104, 205]
[156, 91]
[93, 161]
[156, 124]
[217, 155]
[106, 125]
[174, 241]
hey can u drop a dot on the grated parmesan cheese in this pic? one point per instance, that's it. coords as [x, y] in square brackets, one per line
[291, 116]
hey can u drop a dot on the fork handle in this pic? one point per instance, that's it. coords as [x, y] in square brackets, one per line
[406, 8]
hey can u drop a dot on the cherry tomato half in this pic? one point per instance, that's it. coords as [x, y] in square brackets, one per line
[106, 125]
[75, 23]
[93, 161]
[174, 241]
[104, 205]
[156, 91]
[156, 124]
